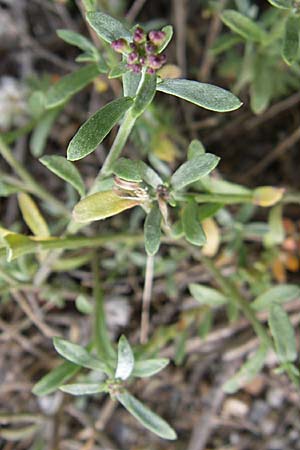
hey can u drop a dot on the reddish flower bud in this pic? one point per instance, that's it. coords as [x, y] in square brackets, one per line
[136, 68]
[157, 37]
[150, 71]
[132, 57]
[120, 45]
[150, 48]
[156, 61]
[139, 35]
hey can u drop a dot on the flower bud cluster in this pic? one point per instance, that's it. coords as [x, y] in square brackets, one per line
[143, 51]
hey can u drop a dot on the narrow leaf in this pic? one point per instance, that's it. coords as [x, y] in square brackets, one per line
[207, 296]
[149, 175]
[125, 361]
[144, 95]
[291, 39]
[131, 83]
[261, 89]
[64, 169]
[100, 206]
[283, 334]
[146, 417]
[278, 294]
[54, 379]
[247, 372]
[76, 39]
[193, 170]
[168, 30]
[243, 26]
[77, 354]
[192, 227]
[39, 136]
[196, 148]
[201, 94]
[18, 245]
[108, 28]
[281, 4]
[32, 216]
[96, 128]
[149, 367]
[152, 231]
[69, 85]
[83, 388]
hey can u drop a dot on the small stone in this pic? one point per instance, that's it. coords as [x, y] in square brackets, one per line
[275, 397]
[234, 407]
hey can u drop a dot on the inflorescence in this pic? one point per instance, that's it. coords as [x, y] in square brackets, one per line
[143, 51]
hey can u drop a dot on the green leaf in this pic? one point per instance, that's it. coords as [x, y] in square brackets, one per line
[276, 233]
[149, 175]
[18, 245]
[32, 215]
[69, 85]
[196, 148]
[131, 83]
[193, 170]
[54, 379]
[108, 28]
[149, 367]
[145, 95]
[261, 88]
[118, 70]
[152, 231]
[125, 361]
[243, 26]
[208, 210]
[100, 206]
[224, 43]
[36, 103]
[127, 169]
[282, 4]
[283, 334]
[146, 417]
[39, 136]
[96, 128]
[76, 39]
[247, 372]
[207, 296]
[201, 94]
[64, 169]
[192, 227]
[278, 294]
[291, 39]
[83, 388]
[77, 354]
[168, 29]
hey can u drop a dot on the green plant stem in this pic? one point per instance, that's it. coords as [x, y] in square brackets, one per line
[228, 199]
[231, 291]
[102, 341]
[118, 145]
[30, 182]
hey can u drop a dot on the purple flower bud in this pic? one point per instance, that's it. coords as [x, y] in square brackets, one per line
[150, 71]
[139, 35]
[150, 48]
[120, 45]
[136, 68]
[142, 60]
[133, 46]
[157, 37]
[132, 57]
[156, 61]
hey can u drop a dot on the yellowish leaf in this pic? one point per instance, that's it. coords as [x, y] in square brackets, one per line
[170, 71]
[100, 206]
[164, 148]
[32, 216]
[267, 196]
[213, 237]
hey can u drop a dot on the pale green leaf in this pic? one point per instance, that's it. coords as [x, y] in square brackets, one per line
[193, 170]
[96, 128]
[149, 367]
[83, 388]
[77, 354]
[127, 169]
[146, 417]
[261, 88]
[64, 169]
[281, 4]
[207, 296]
[108, 28]
[39, 136]
[76, 39]
[192, 227]
[18, 245]
[290, 48]
[243, 26]
[168, 29]
[70, 84]
[149, 175]
[283, 334]
[32, 215]
[196, 148]
[100, 206]
[54, 379]
[277, 294]
[145, 94]
[131, 83]
[152, 231]
[205, 95]
[125, 361]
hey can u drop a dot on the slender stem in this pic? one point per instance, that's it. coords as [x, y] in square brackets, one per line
[147, 293]
[230, 289]
[118, 145]
[102, 341]
[215, 198]
[25, 176]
